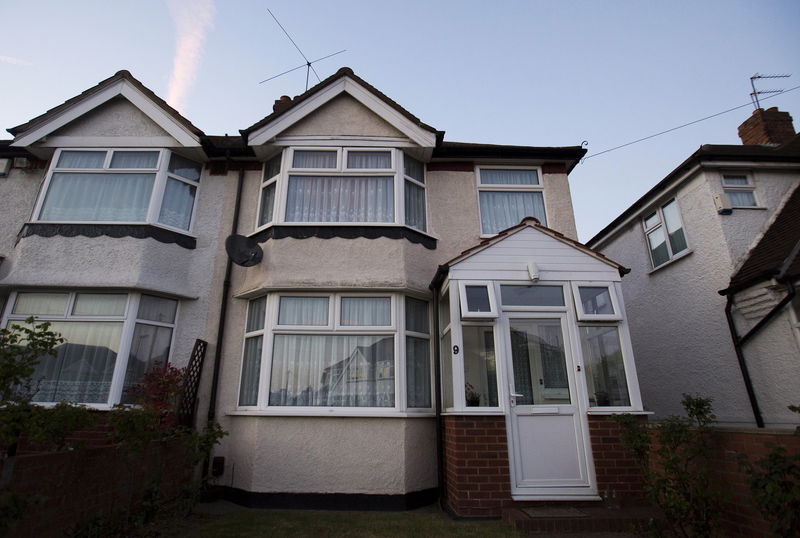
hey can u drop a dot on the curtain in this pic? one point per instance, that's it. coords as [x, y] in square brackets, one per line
[314, 159]
[501, 210]
[366, 311]
[255, 314]
[81, 159]
[98, 197]
[303, 311]
[415, 206]
[371, 160]
[605, 369]
[417, 316]
[251, 370]
[176, 208]
[672, 219]
[267, 204]
[100, 304]
[134, 159]
[332, 371]
[149, 350]
[157, 309]
[82, 369]
[509, 177]
[43, 304]
[418, 372]
[340, 199]
[741, 198]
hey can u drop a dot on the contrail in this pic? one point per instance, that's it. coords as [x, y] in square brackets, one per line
[192, 20]
[15, 61]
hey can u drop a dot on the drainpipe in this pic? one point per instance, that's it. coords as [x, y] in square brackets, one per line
[440, 479]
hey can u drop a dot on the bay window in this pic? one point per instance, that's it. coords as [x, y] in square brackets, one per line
[507, 195]
[343, 350]
[111, 341]
[376, 186]
[120, 185]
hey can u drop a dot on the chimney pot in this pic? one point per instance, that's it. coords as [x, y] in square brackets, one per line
[769, 127]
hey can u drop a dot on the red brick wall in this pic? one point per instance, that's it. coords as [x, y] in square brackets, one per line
[619, 479]
[476, 465]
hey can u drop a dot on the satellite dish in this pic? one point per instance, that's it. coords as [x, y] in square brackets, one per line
[243, 250]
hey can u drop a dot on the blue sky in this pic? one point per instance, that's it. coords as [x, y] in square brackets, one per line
[527, 73]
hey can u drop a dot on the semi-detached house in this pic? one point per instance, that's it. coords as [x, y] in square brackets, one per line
[421, 318]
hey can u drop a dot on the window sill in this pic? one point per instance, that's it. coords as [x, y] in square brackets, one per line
[351, 230]
[616, 411]
[474, 413]
[328, 412]
[757, 208]
[115, 230]
[680, 256]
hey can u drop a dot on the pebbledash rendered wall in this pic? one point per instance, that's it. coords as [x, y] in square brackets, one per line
[677, 318]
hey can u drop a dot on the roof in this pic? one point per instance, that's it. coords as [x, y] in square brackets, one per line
[788, 152]
[527, 222]
[465, 150]
[341, 73]
[7, 150]
[776, 253]
[118, 76]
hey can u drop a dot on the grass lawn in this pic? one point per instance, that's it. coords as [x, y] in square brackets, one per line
[241, 522]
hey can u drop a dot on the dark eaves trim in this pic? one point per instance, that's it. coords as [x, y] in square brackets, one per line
[281, 231]
[117, 231]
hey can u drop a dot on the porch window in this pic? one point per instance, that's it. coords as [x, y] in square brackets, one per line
[531, 295]
[507, 195]
[595, 301]
[605, 369]
[480, 366]
[477, 300]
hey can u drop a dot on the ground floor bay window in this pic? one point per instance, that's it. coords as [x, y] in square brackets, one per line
[315, 352]
[111, 340]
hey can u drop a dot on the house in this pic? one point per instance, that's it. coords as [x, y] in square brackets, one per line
[713, 249]
[405, 309]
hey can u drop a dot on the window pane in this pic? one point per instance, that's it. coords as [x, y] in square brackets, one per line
[414, 168]
[477, 299]
[176, 208]
[149, 350]
[81, 159]
[366, 311]
[447, 371]
[652, 220]
[100, 304]
[509, 177]
[501, 210]
[369, 159]
[134, 159]
[672, 219]
[537, 354]
[303, 311]
[314, 159]
[735, 180]
[444, 310]
[605, 370]
[532, 295]
[418, 372]
[658, 247]
[332, 371]
[255, 314]
[415, 206]
[251, 370]
[417, 315]
[98, 197]
[83, 366]
[480, 371]
[181, 166]
[340, 199]
[741, 198]
[43, 304]
[596, 300]
[157, 309]
[273, 167]
[267, 204]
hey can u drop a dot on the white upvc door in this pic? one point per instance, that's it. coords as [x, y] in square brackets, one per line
[549, 452]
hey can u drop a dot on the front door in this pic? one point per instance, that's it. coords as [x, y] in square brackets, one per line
[547, 428]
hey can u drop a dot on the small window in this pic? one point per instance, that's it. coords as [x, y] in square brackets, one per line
[303, 311]
[664, 232]
[480, 367]
[369, 160]
[595, 302]
[414, 192]
[605, 370]
[477, 300]
[507, 195]
[366, 312]
[531, 295]
[315, 160]
[740, 190]
[269, 183]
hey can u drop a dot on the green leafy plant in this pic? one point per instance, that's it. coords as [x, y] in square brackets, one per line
[674, 456]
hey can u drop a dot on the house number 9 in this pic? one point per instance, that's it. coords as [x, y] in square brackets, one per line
[455, 350]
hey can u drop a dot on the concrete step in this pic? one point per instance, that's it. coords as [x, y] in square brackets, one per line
[571, 519]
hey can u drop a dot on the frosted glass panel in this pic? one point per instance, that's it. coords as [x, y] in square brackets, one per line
[100, 304]
[41, 303]
[134, 159]
[366, 311]
[303, 311]
[81, 159]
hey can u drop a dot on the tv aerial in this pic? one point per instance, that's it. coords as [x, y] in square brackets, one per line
[755, 93]
[243, 250]
[309, 63]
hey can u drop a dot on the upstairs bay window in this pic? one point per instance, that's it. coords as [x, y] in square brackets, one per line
[343, 186]
[507, 195]
[116, 186]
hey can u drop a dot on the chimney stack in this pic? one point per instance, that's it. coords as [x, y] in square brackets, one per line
[282, 104]
[769, 127]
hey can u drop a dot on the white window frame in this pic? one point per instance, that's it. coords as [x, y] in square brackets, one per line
[462, 296]
[266, 182]
[160, 172]
[129, 321]
[583, 316]
[416, 182]
[493, 187]
[747, 187]
[532, 308]
[396, 330]
[658, 210]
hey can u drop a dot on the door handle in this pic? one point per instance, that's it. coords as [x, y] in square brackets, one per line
[514, 397]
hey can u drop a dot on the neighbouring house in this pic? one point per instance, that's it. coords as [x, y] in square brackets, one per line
[713, 249]
[407, 315]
